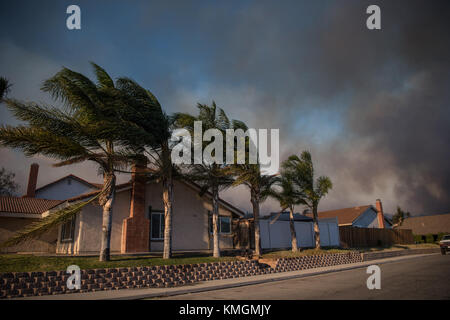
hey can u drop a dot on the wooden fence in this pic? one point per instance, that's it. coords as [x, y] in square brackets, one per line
[352, 237]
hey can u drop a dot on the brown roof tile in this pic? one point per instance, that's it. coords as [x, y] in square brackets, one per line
[344, 216]
[422, 225]
[27, 205]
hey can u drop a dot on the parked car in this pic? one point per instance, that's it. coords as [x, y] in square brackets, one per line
[445, 244]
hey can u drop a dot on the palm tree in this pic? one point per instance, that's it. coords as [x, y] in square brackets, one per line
[4, 87]
[152, 141]
[210, 176]
[288, 196]
[260, 187]
[92, 127]
[399, 216]
[300, 171]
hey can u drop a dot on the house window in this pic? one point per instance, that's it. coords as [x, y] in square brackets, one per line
[224, 224]
[68, 230]
[157, 221]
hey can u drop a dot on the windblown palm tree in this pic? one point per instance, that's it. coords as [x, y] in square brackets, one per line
[288, 197]
[210, 176]
[153, 142]
[300, 171]
[94, 125]
[260, 187]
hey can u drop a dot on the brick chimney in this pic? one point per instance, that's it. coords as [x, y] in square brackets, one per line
[32, 180]
[136, 228]
[380, 214]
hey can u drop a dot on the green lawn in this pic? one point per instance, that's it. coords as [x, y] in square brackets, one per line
[24, 262]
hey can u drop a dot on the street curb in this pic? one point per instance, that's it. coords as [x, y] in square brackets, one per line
[282, 278]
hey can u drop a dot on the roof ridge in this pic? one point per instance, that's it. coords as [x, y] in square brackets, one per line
[70, 175]
[355, 207]
[428, 215]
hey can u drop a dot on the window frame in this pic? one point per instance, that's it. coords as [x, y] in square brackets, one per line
[210, 224]
[70, 235]
[220, 224]
[161, 224]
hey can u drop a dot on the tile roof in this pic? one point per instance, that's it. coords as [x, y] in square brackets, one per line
[344, 216]
[27, 205]
[422, 225]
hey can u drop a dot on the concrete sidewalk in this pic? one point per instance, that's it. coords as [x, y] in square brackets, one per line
[132, 294]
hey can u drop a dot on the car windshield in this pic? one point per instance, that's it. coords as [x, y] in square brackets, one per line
[447, 237]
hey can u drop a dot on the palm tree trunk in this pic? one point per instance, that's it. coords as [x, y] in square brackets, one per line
[255, 203]
[167, 199]
[167, 182]
[215, 218]
[292, 227]
[316, 227]
[107, 203]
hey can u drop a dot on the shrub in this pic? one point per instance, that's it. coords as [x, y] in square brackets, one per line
[429, 238]
[418, 239]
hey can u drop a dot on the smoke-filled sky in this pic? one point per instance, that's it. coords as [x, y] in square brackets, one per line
[373, 106]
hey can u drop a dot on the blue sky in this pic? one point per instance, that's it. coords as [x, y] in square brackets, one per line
[309, 68]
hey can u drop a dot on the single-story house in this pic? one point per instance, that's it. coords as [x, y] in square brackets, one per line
[137, 219]
[424, 225]
[366, 216]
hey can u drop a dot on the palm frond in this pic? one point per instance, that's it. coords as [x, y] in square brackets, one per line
[76, 90]
[103, 78]
[35, 141]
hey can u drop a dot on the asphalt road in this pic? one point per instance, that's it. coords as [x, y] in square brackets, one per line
[426, 277]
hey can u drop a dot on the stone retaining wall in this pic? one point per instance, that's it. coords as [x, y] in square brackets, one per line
[316, 261]
[20, 284]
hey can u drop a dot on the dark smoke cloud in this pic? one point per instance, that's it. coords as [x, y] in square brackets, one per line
[372, 106]
[389, 87]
